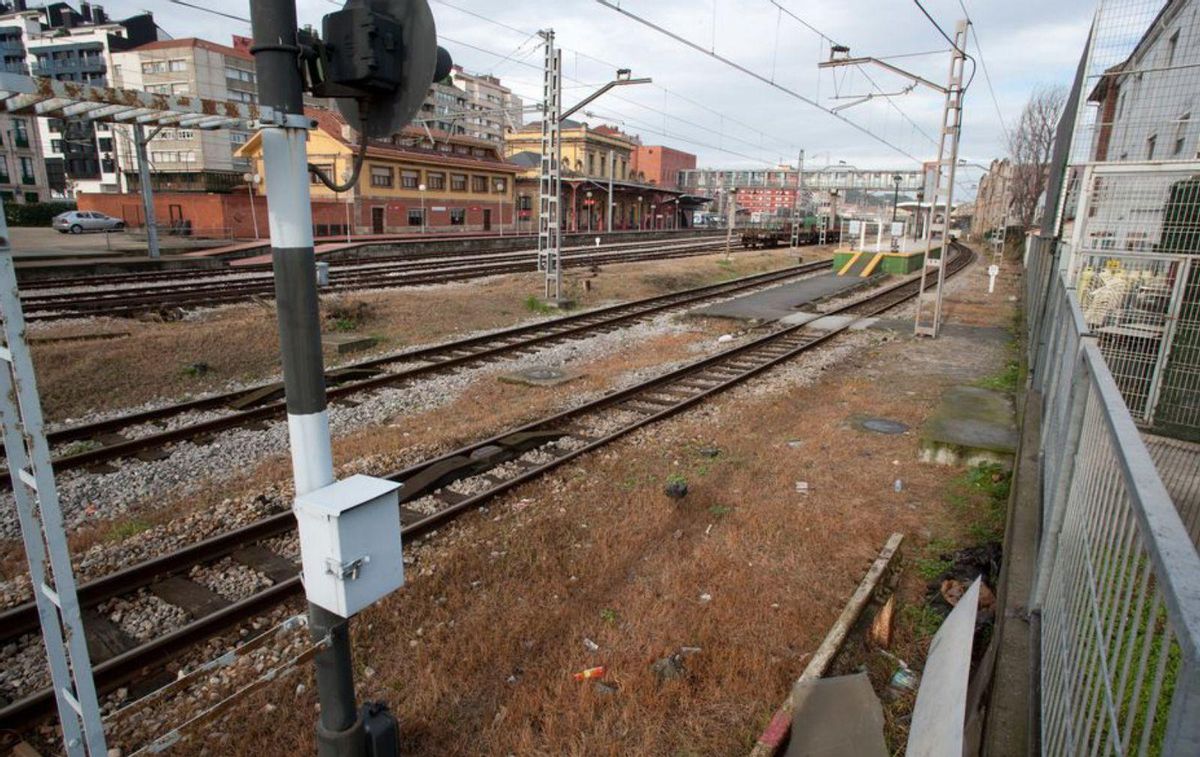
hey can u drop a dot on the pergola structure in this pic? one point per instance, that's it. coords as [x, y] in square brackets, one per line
[40, 96]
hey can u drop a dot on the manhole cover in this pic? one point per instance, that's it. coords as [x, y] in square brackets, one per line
[884, 426]
[541, 375]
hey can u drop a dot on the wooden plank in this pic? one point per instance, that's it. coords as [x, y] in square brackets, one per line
[271, 565]
[105, 639]
[194, 599]
[777, 730]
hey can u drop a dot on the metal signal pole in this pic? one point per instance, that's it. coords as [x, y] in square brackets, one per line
[289, 208]
[796, 210]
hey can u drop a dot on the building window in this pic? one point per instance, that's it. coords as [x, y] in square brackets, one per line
[154, 67]
[20, 133]
[381, 176]
[458, 216]
[184, 134]
[56, 145]
[178, 65]
[416, 217]
[1172, 43]
[27, 171]
[1181, 132]
[238, 137]
[4, 170]
[181, 88]
[1150, 145]
[410, 179]
[106, 144]
[31, 197]
[501, 185]
[458, 182]
[435, 180]
[325, 169]
[479, 184]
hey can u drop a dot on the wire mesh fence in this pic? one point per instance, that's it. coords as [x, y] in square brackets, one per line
[1118, 585]
[1134, 257]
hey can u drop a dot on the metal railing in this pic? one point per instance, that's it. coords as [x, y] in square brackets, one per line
[1118, 586]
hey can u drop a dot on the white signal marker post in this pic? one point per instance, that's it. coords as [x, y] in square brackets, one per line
[289, 211]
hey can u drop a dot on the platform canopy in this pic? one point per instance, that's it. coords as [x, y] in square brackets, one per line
[52, 98]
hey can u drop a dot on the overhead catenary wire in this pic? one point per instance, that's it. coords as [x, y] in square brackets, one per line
[765, 80]
[786, 144]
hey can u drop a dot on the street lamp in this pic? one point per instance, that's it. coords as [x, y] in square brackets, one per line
[588, 203]
[251, 180]
[641, 214]
[421, 189]
[500, 189]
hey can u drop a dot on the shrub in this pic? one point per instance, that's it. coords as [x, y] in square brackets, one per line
[34, 213]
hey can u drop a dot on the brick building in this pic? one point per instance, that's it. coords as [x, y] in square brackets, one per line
[660, 166]
[454, 183]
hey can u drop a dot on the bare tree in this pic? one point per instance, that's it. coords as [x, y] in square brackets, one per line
[1029, 148]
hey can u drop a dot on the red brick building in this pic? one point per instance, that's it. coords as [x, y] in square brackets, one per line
[766, 200]
[660, 166]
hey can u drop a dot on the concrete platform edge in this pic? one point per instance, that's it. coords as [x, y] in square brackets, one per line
[1011, 721]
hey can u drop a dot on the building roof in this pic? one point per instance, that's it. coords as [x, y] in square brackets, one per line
[333, 124]
[203, 44]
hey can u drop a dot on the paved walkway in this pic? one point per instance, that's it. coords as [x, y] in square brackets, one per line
[781, 301]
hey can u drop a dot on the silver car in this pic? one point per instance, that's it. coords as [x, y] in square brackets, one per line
[79, 221]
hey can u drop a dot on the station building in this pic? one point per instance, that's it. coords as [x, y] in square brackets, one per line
[593, 158]
[419, 180]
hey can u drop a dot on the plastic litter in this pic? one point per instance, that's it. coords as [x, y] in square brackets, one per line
[590, 673]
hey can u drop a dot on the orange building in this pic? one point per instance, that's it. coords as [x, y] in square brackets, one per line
[660, 166]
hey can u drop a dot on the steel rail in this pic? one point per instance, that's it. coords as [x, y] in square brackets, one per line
[128, 302]
[344, 382]
[346, 255]
[725, 369]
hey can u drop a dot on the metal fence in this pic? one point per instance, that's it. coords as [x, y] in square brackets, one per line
[1134, 257]
[1118, 585]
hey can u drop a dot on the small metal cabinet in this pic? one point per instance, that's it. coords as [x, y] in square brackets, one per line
[350, 543]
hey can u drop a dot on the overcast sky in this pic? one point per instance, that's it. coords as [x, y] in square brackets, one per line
[724, 116]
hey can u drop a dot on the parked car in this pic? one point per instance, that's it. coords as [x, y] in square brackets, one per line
[79, 221]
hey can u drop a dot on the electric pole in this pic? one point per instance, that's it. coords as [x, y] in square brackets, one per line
[139, 142]
[928, 319]
[796, 219]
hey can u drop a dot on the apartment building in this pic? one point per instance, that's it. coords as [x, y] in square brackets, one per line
[189, 159]
[70, 45]
[473, 105]
[23, 175]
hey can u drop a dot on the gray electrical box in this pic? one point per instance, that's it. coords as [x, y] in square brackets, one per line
[350, 543]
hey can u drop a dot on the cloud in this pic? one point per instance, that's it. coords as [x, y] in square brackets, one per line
[726, 117]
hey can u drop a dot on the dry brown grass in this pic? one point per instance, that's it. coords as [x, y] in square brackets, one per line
[239, 343]
[476, 653]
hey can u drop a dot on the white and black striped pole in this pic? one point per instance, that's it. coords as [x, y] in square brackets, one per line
[289, 208]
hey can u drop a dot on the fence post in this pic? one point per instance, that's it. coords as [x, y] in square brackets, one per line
[1183, 722]
[1174, 313]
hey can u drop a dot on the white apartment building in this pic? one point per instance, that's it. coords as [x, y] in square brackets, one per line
[189, 159]
[84, 149]
[1149, 105]
[476, 105]
[22, 170]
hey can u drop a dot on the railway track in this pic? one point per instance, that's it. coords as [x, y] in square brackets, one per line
[225, 287]
[125, 436]
[434, 492]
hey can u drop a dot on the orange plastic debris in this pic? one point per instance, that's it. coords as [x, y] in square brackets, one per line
[584, 675]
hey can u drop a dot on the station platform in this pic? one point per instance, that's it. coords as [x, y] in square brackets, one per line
[863, 263]
[777, 303]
